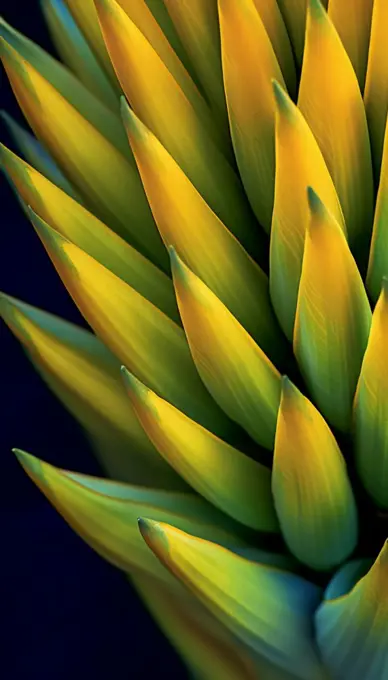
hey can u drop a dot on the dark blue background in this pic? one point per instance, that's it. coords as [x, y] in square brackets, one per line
[64, 612]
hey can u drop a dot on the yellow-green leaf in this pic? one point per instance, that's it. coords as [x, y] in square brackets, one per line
[181, 123]
[376, 84]
[105, 513]
[187, 223]
[235, 370]
[352, 19]
[61, 79]
[152, 346]
[378, 256]
[230, 480]
[85, 377]
[37, 156]
[204, 644]
[371, 407]
[197, 24]
[109, 184]
[331, 101]
[75, 52]
[268, 609]
[299, 162]
[333, 317]
[272, 19]
[249, 62]
[352, 628]
[312, 492]
[78, 225]
[294, 14]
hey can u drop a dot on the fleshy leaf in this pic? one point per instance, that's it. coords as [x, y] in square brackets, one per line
[230, 480]
[352, 629]
[378, 256]
[152, 346]
[87, 232]
[376, 84]
[272, 19]
[205, 645]
[76, 53]
[85, 377]
[187, 223]
[371, 407]
[109, 184]
[69, 87]
[185, 129]
[235, 370]
[105, 513]
[333, 317]
[37, 156]
[352, 19]
[311, 489]
[196, 22]
[294, 14]
[331, 102]
[249, 62]
[299, 162]
[269, 610]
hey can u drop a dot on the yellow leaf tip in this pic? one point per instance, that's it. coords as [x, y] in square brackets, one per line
[30, 463]
[153, 534]
[177, 266]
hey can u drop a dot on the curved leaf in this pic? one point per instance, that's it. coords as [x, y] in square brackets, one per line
[352, 629]
[249, 62]
[376, 84]
[269, 610]
[75, 52]
[312, 492]
[331, 102]
[378, 256]
[187, 223]
[78, 225]
[294, 15]
[152, 346]
[85, 377]
[184, 127]
[105, 513]
[352, 19]
[204, 644]
[197, 24]
[299, 162]
[37, 156]
[333, 317]
[235, 370]
[230, 480]
[272, 19]
[69, 87]
[110, 185]
[371, 407]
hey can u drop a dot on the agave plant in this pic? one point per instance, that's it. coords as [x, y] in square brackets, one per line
[224, 232]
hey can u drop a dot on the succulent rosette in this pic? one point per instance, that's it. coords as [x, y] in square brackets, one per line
[210, 181]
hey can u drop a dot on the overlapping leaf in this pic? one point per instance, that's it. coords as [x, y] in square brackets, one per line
[235, 370]
[333, 317]
[268, 609]
[371, 407]
[230, 480]
[82, 228]
[85, 376]
[311, 489]
[376, 85]
[352, 628]
[330, 100]
[299, 162]
[187, 223]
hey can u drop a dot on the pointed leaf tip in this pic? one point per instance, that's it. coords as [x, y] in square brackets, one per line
[316, 8]
[281, 97]
[133, 384]
[315, 204]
